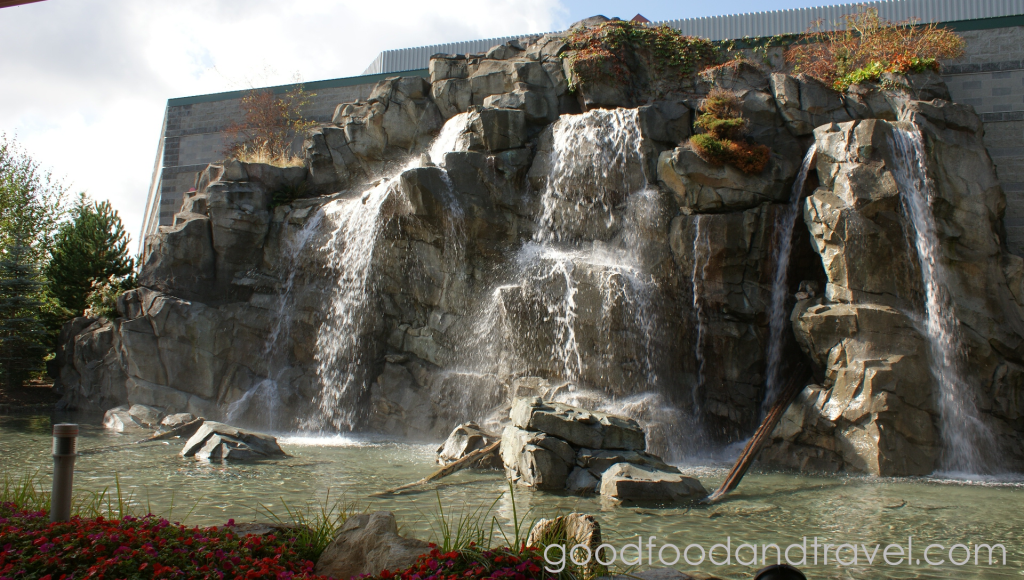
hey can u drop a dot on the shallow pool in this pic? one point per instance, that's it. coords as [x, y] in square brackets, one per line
[779, 508]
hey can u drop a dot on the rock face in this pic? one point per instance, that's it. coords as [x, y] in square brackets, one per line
[449, 244]
[626, 481]
[367, 545]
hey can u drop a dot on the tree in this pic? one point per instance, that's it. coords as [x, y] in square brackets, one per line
[271, 124]
[32, 202]
[89, 250]
[22, 334]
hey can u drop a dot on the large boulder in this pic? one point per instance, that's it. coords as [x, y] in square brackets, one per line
[534, 459]
[589, 429]
[367, 545]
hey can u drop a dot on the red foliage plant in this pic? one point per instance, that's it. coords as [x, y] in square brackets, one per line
[864, 41]
[723, 138]
[148, 547]
[475, 564]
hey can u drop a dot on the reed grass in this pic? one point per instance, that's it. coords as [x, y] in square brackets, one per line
[317, 522]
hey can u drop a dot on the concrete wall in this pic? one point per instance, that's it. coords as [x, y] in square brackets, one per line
[990, 77]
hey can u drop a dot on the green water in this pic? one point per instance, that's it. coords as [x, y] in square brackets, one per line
[779, 508]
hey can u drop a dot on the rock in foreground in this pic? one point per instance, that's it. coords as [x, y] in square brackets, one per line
[626, 481]
[215, 440]
[367, 544]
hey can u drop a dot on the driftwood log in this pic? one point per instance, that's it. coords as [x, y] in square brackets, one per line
[796, 383]
[186, 429]
[445, 471]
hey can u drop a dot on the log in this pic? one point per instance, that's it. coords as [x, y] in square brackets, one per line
[445, 471]
[194, 425]
[796, 383]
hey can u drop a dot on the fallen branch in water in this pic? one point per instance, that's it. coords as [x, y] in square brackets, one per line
[797, 382]
[194, 425]
[445, 471]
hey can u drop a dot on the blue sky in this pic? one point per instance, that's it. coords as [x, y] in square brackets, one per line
[85, 82]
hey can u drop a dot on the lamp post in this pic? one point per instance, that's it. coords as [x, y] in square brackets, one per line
[65, 441]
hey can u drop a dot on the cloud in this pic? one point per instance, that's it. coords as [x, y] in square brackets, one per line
[86, 81]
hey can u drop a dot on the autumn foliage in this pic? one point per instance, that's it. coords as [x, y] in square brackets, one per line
[723, 139]
[271, 123]
[863, 46]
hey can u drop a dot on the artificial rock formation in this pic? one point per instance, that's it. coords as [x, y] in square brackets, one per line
[448, 243]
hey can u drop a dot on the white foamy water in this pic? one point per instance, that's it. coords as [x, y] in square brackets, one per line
[778, 314]
[701, 256]
[449, 139]
[964, 435]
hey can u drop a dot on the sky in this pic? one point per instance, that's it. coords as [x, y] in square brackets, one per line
[84, 83]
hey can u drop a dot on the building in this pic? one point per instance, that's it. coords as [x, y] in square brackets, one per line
[990, 77]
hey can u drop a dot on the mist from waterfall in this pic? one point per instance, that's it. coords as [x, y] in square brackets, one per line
[965, 436]
[778, 313]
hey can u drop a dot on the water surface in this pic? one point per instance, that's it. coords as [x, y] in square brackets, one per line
[767, 508]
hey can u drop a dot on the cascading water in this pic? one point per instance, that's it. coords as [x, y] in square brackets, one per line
[259, 405]
[778, 315]
[340, 353]
[357, 223]
[697, 288]
[964, 435]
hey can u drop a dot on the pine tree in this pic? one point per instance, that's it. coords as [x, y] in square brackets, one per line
[22, 335]
[90, 249]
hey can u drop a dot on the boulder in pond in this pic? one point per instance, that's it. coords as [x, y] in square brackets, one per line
[629, 482]
[148, 417]
[582, 428]
[465, 439]
[120, 420]
[366, 545]
[571, 530]
[246, 442]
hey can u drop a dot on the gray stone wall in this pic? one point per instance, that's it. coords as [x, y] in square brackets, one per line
[990, 78]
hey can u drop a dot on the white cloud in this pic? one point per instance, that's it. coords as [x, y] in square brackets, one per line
[85, 82]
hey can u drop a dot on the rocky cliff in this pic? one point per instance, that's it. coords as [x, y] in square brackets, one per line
[479, 236]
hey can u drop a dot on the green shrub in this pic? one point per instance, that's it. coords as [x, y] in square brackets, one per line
[722, 141]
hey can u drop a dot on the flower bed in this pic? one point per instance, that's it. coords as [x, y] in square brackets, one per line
[473, 563]
[146, 547]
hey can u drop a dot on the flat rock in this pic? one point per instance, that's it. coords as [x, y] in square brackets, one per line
[598, 461]
[222, 447]
[368, 544]
[259, 443]
[590, 429]
[625, 481]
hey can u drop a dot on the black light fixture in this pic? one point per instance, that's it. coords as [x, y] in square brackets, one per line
[779, 572]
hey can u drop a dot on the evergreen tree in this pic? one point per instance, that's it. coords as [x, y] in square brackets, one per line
[88, 250]
[22, 335]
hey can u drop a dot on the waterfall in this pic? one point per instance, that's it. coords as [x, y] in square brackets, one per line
[343, 339]
[779, 314]
[964, 435]
[260, 404]
[697, 287]
[595, 163]
[341, 342]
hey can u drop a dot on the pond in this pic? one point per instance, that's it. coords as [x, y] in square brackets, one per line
[767, 508]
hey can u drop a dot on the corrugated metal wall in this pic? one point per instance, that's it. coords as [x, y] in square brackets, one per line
[419, 57]
[798, 20]
[738, 26]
